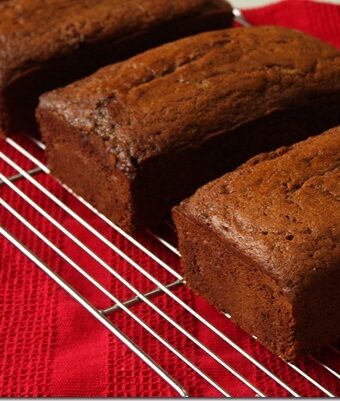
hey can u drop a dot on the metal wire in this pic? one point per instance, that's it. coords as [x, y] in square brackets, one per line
[25, 175]
[239, 17]
[141, 247]
[145, 298]
[117, 250]
[90, 308]
[118, 276]
[160, 288]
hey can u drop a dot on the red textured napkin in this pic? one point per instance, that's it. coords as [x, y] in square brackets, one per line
[50, 346]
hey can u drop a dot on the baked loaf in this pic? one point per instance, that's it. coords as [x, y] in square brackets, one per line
[47, 44]
[263, 244]
[154, 128]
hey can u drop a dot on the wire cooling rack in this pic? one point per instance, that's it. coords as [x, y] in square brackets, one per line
[25, 175]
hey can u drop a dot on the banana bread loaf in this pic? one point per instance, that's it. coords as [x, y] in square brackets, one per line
[152, 129]
[47, 44]
[263, 244]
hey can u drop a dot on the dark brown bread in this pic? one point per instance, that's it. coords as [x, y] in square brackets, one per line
[155, 127]
[263, 244]
[46, 44]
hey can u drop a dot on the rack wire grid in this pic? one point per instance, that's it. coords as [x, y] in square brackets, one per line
[25, 176]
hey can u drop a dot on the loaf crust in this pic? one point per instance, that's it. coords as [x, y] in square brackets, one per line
[177, 116]
[263, 244]
[56, 42]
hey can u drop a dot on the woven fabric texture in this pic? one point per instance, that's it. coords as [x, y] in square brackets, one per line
[49, 344]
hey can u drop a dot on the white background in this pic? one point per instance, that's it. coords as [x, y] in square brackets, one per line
[255, 3]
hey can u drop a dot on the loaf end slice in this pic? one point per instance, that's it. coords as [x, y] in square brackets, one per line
[262, 243]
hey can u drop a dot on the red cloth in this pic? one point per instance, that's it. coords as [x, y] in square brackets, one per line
[50, 346]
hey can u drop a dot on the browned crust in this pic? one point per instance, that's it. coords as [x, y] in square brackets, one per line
[237, 286]
[179, 94]
[163, 181]
[277, 219]
[82, 164]
[55, 43]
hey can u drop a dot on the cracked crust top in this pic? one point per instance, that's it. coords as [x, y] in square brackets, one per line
[280, 209]
[184, 92]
